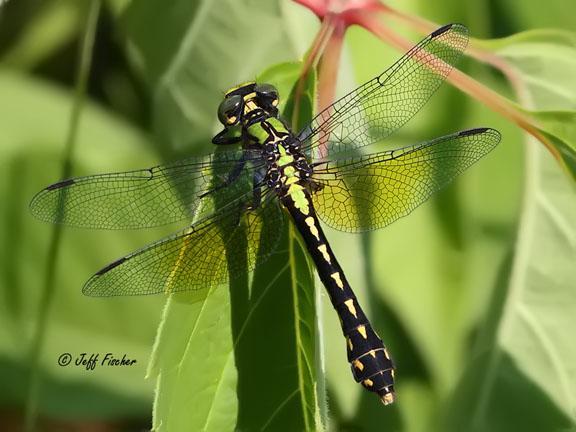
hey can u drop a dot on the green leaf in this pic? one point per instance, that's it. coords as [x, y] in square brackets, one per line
[193, 361]
[244, 357]
[192, 51]
[276, 343]
[544, 62]
[533, 13]
[521, 378]
[560, 129]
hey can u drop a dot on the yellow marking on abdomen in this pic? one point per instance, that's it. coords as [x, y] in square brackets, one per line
[324, 250]
[368, 382]
[350, 305]
[358, 365]
[388, 398]
[350, 344]
[336, 277]
[310, 222]
[373, 353]
[362, 330]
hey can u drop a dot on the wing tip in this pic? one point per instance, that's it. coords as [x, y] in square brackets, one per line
[60, 184]
[89, 288]
[489, 139]
[480, 130]
[440, 31]
[110, 267]
[36, 209]
[35, 206]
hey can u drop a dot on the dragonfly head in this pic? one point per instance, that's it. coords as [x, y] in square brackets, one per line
[248, 103]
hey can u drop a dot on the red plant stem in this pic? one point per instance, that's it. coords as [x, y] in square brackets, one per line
[323, 8]
[310, 61]
[329, 67]
[425, 27]
[466, 84]
[328, 75]
[419, 24]
[318, 7]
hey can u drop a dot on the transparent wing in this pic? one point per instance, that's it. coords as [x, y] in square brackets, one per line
[204, 255]
[141, 198]
[376, 109]
[372, 191]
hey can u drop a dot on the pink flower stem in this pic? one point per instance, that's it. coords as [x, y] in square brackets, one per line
[310, 61]
[425, 27]
[328, 75]
[318, 7]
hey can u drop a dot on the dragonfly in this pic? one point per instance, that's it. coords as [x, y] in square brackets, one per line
[264, 175]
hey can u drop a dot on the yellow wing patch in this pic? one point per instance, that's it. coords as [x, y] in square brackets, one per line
[177, 265]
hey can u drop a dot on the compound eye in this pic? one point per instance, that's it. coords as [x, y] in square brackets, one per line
[267, 93]
[229, 110]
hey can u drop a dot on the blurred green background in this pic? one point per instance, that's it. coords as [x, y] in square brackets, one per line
[474, 293]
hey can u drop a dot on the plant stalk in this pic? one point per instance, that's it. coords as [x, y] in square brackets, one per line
[47, 296]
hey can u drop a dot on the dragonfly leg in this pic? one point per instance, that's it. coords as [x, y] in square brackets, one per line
[232, 177]
[222, 139]
[256, 191]
[315, 186]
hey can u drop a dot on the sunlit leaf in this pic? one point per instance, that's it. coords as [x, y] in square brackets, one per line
[521, 378]
[544, 63]
[245, 356]
[205, 48]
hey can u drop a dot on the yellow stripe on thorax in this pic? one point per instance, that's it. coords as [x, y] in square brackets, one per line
[285, 158]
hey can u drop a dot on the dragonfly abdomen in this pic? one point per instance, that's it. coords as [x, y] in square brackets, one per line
[371, 365]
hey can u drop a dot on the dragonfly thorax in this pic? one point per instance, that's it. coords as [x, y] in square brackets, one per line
[287, 167]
